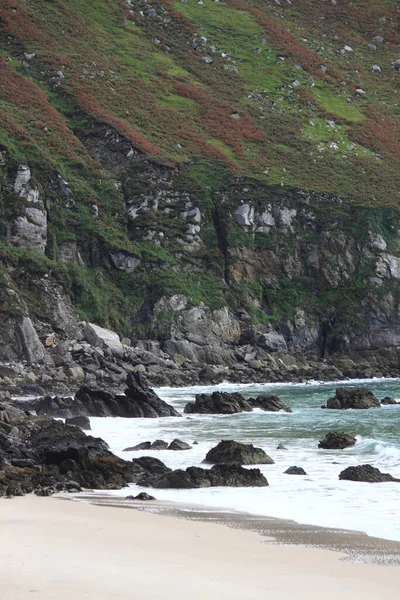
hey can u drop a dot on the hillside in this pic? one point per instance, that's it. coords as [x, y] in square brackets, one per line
[201, 172]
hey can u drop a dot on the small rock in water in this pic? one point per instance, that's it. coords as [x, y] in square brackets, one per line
[141, 446]
[388, 401]
[295, 471]
[179, 445]
[141, 496]
[367, 474]
[337, 441]
[281, 447]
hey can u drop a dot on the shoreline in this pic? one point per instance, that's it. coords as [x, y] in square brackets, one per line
[53, 549]
[355, 546]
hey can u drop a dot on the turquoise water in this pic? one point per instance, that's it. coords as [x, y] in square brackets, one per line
[318, 498]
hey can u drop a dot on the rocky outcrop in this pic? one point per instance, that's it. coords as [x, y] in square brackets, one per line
[138, 401]
[179, 445]
[366, 473]
[358, 399]
[337, 441]
[42, 455]
[218, 475]
[82, 422]
[231, 452]
[269, 403]
[159, 445]
[223, 403]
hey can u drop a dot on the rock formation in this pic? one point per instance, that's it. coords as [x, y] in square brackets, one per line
[352, 398]
[231, 452]
[366, 473]
[337, 441]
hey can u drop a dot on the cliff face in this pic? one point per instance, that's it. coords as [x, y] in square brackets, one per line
[221, 179]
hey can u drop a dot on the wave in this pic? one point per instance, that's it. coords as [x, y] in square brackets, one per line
[382, 452]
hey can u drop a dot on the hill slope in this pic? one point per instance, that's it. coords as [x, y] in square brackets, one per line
[237, 154]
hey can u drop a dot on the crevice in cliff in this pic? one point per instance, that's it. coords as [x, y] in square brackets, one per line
[222, 239]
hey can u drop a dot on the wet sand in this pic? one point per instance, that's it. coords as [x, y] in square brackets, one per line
[57, 549]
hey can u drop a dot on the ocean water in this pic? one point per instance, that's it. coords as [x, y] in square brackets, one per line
[316, 499]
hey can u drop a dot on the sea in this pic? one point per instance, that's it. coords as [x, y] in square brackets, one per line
[319, 498]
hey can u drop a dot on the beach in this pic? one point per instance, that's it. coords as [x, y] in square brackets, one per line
[57, 549]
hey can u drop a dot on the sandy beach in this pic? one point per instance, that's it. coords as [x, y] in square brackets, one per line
[56, 549]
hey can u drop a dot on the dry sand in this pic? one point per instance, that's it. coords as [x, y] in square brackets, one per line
[54, 549]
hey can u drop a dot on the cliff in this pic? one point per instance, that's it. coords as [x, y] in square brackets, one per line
[216, 181]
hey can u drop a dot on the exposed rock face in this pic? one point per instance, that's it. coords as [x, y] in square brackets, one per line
[231, 452]
[222, 403]
[366, 473]
[218, 475]
[269, 403]
[353, 398]
[295, 471]
[337, 441]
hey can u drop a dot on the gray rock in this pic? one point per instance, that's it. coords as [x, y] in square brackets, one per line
[82, 422]
[32, 347]
[295, 471]
[103, 338]
[353, 398]
[396, 64]
[366, 473]
[376, 69]
[179, 445]
[337, 441]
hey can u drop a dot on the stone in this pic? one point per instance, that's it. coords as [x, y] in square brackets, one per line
[366, 473]
[218, 403]
[103, 338]
[269, 403]
[244, 215]
[125, 262]
[337, 441]
[396, 64]
[271, 341]
[295, 471]
[179, 445]
[76, 372]
[360, 398]
[231, 452]
[82, 422]
[281, 447]
[387, 401]
[141, 496]
[159, 445]
[376, 69]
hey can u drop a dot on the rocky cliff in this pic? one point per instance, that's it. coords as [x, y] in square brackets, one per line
[216, 182]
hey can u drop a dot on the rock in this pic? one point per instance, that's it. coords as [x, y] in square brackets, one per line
[218, 475]
[388, 401]
[366, 473]
[179, 445]
[231, 452]
[82, 422]
[281, 447]
[29, 339]
[141, 496]
[222, 403]
[245, 215]
[337, 441]
[141, 446]
[75, 372]
[159, 445]
[376, 69]
[295, 471]
[269, 403]
[360, 398]
[148, 469]
[396, 64]
[103, 338]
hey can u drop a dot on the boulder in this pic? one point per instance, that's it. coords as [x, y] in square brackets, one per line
[32, 347]
[337, 441]
[366, 473]
[387, 401]
[218, 475]
[159, 445]
[141, 496]
[222, 403]
[231, 452]
[295, 471]
[179, 445]
[82, 422]
[103, 338]
[359, 398]
[281, 447]
[269, 403]
[148, 469]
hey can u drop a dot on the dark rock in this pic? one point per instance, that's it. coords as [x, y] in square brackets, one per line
[141, 496]
[222, 403]
[337, 441]
[360, 398]
[366, 473]
[82, 422]
[281, 447]
[295, 471]
[231, 452]
[218, 475]
[388, 401]
[148, 469]
[141, 446]
[159, 445]
[179, 445]
[22, 463]
[269, 403]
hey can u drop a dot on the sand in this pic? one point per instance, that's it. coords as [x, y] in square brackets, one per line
[57, 549]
